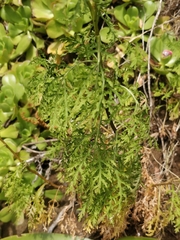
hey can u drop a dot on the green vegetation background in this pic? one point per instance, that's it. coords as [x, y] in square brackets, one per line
[79, 79]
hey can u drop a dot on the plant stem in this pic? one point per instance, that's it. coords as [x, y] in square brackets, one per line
[95, 17]
[28, 168]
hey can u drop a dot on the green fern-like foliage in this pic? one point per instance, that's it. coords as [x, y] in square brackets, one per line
[80, 105]
[19, 194]
[174, 214]
[21, 198]
[100, 120]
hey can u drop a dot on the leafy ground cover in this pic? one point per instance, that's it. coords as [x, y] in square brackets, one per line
[89, 111]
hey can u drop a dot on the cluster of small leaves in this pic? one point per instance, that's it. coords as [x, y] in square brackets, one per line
[19, 194]
[135, 63]
[167, 85]
[102, 167]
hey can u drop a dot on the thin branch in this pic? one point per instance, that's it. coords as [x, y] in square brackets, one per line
[154, 23]
[170, 182]
[32, 150]
[148, 50]
[163, 166]
[43, 141]
[60, 216]
[30, 160]
[27, 167]
[43, 178]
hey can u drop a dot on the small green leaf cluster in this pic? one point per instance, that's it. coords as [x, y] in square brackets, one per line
[165, 52]
[131, 20]
[17, 128]
[17, 35]
[24, 26]
[18, 196]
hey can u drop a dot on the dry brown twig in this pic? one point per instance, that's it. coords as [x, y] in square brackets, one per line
[61, 215]
[28, 168]
[151, 207]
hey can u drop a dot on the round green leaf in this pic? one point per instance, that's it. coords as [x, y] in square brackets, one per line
[24, 11]
[11, 143]
[119, 13]
[6, 214]
[150, 8]
[156, 47]
[9, 79]
[9, 14]
[54, 29]
[4, 116]
[17, 2]
[13, 30]
[77, 26]
[132, 12]
[148, 24]
[19, 91]
[41, 11]
[9, 132]
[17, 39]
[24, 155]
[41, 146]
[22, 46]
[106, 35]
[8, 93]
[6, 157]
[6, 108]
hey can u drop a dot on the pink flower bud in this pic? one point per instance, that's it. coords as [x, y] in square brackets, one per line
[167, 53]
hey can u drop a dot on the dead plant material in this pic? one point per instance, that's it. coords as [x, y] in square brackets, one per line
[115, 230]
[172, 9]
[152, 207]
[61, 215]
